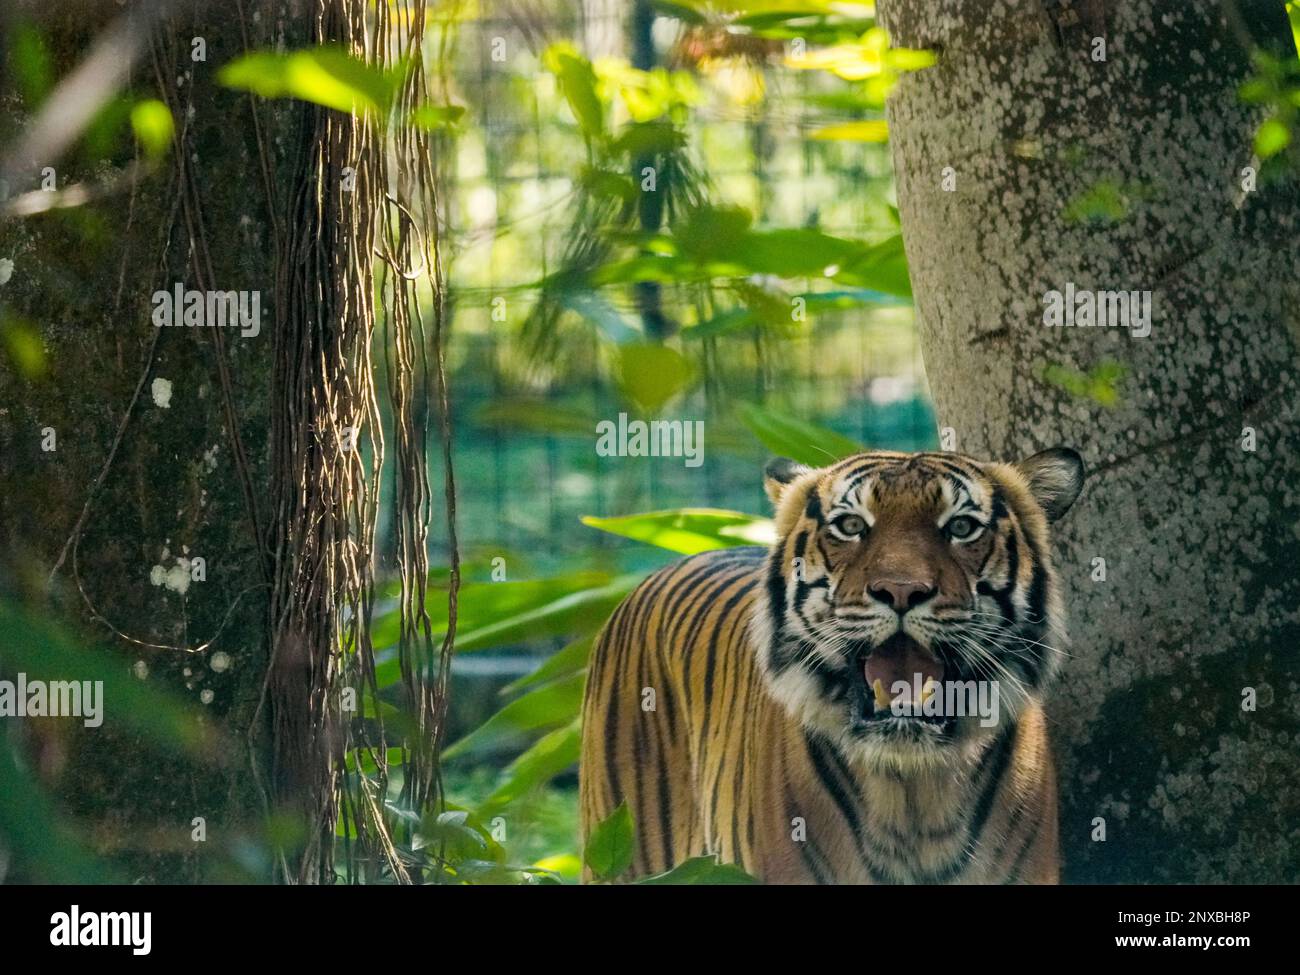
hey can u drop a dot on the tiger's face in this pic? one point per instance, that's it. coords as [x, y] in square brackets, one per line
[910, 605]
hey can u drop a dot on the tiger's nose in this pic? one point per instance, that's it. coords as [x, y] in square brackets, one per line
[902, 595]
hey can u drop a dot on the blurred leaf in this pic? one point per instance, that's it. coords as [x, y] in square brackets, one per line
[547, 758]
[30, 62]
[543, 708]
[327, 76]
[689, 530]
[568, 660]
[799, 440]
[866, 130]
[1273, 136]
[882, 267]
[23, 344]
[153, 126]
[566, 865]
[609, 848]
[36, 835]
[701, 870]
[577, 82]
[648, 138]
[435, 117]
[650, 375]
[42, 651]
[1099, 384]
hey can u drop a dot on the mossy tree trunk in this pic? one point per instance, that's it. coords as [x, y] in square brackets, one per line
[190, 470]
[1026, 162]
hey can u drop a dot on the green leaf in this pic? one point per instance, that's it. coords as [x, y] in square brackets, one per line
[435, 117]
[31, 63]
[327, 76]
[799, 440]
[701, 870]
[863, 130]
[44, 652]
[548, 757]
[480, 604]
[568, 660]
[609, 848]
[650, 375]
[577, 82]
[153, 126]
[690, 530]
[544, 708]
[1273, 136]
[579, 612]
[882, 266]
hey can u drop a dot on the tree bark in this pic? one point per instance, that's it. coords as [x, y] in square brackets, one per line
[190, 469]
[1127, 174]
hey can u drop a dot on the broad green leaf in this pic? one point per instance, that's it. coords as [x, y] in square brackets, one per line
[153, 126]
[882, 267]
[480, 604]
[701, 870]
[327, 76]
[578, 85]
[577, 613]
[650, 375]
[544, 708]
[609, 848]
[563, 662]
[799, 440]
[547, 758]
[690, 530]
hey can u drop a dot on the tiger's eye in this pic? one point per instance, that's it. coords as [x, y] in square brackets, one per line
[851, 524]
[962, 527]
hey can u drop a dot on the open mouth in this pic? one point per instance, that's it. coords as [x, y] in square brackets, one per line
[896, 680]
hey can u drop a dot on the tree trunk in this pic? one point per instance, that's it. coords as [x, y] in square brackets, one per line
[191, 407]
[1127, 174]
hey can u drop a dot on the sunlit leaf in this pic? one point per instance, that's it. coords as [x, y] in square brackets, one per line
[435, 117]
[153, 126]
[325, 76]
[689, 530]
[866, 130]
[1272, 137]
[577, 82]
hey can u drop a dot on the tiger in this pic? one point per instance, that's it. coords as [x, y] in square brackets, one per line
[786, 709]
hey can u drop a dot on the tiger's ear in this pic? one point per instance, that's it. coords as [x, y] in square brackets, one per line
[1055, 479]
[779, 474]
